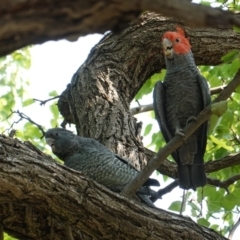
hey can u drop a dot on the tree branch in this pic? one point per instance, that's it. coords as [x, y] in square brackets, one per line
[27, 22]
[228, 161]
[141, 109]
[24, 116]
[223, 184]
[169, 168]
[177, 141]
[43, 102]
[166, 190]
[236, 225]
[194, 15]
[40, 199]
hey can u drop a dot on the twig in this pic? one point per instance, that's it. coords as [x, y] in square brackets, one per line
[235, 137]
[165, 190]
[217, 90]
[141, 108]
[43, 102]
[234, 228]
[15, 122]
[12, 133]
[177, 141]
[149, 107]
[201, 205]
[24, 116]
[184, 201]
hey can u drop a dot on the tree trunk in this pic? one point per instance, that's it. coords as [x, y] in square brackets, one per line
[103, 87]
[41, 199]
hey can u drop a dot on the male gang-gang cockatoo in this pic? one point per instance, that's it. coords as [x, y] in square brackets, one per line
[177, 101]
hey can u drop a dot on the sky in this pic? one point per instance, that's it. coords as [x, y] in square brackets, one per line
[53, 64]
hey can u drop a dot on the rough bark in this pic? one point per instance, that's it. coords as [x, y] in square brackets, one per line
[25, 22]
[116, 69]
[50, 201]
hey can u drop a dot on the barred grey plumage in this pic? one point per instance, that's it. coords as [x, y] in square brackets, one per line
[177, 101]
[96, 161]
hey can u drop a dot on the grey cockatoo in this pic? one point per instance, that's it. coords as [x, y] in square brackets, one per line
[177, 101]
[97, 162]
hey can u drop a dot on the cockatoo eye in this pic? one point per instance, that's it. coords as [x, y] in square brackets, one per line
[177, 40]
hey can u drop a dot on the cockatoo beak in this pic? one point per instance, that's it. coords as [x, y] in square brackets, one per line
[50, 141]
[167, 48]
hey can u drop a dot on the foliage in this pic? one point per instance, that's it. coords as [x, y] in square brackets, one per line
[13, 69]
[14, 95]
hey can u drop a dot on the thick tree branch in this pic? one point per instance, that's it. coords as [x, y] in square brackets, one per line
[194, 15]
[30, 22]
[177, 141]
[228, 161]
[41, 199]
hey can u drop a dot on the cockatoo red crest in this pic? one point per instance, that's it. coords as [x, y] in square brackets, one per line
[178, 40]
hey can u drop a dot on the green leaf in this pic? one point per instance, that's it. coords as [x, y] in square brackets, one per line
[230, 56]
[28, 102]
[7, 237]
[237, 89]
[194, 206]
[213, 198]
[149, 84]
[215, 227]
[236, 193]
[53, 93]
[214, 81]
[175, 206]
[203, 222]
[221, 143]
[219, 108]
[229, 201]
[147, 129]
[236, 29]
[54, 110]
[227, 119]
[235, 65]
[214, 122]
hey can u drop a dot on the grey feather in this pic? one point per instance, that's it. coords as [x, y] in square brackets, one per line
[96, 161]
[179, 99]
